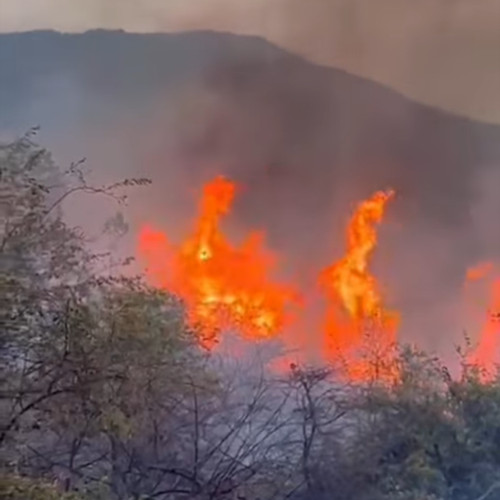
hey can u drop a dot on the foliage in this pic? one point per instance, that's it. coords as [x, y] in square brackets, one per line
[83, 352]
[427, 436]
[105, 394]
[23, 488]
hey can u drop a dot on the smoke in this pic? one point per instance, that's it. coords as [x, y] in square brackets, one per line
[305, 142]
[441, 52]
[307, 151]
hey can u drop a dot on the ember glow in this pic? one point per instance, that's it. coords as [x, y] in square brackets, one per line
[224, 286]
[356, 317]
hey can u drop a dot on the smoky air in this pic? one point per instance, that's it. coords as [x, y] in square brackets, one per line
[305, 142]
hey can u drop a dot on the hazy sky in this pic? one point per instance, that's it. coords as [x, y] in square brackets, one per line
[443, 52]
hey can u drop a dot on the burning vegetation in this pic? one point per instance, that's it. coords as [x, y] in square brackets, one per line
[224, 286]
[106, 394]
[233, 287]
[487, 351]
[356, 317]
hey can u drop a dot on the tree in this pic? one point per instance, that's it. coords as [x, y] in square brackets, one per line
[22, 488]
[428, 436]
[105, 393]
[78, 345]
[103, 385]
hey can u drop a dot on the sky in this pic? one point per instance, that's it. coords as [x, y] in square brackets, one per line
[439, 52]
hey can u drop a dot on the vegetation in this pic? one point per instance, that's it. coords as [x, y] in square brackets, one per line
[105, 393]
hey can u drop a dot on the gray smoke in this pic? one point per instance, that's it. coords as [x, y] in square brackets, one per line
[306, 143]
[441, 52]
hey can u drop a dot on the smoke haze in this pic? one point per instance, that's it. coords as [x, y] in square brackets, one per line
[305, 141]
[441, 52]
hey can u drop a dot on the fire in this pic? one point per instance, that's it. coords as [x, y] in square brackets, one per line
[486, 354]
[479, 271]
[223, 286]
[230, 287]
[356, 317]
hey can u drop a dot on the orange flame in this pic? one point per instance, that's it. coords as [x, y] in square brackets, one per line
[486, 355]
[223, 286]
[355, 307]
[479, 271]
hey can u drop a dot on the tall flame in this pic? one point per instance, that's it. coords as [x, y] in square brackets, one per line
[356, 314]
[223, 286]
[486, 355]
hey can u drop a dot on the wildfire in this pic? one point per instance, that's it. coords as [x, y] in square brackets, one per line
[230, 287]
[356, 317]
[479, 271]
[222, 285]
[486, 355]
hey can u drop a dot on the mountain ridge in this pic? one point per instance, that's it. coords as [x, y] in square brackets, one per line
[226, 34]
